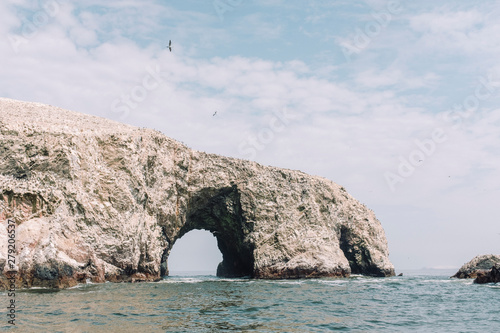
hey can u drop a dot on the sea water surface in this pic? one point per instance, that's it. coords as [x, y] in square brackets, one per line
[411, 303]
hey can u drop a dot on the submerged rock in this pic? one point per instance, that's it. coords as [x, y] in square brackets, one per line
[480, 265]
[93, 199]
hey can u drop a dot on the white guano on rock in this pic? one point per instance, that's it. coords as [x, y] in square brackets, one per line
[98, 200]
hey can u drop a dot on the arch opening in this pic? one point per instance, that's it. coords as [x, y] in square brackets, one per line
[195, 253]
[218, 210]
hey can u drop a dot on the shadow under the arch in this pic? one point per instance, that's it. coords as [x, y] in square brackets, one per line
[219, 211]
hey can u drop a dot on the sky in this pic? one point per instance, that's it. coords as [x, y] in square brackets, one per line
[397, 101]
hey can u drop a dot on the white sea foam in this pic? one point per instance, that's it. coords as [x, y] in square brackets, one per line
[334, 282]
[438, 281]
[189, 279]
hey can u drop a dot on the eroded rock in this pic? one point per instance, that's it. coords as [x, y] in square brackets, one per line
[493, 276]
[97, 200]
[479, 265]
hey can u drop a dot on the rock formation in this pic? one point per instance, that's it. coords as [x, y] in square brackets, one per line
[480, 265]
[96, 200]
[493, 276]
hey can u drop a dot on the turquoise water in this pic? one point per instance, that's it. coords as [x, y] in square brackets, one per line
[418, 303]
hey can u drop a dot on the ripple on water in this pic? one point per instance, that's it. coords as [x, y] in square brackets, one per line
[208, 304]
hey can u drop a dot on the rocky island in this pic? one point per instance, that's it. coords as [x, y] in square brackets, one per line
[90, 199]
[482, 268]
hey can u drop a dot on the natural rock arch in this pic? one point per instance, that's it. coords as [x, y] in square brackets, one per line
[97, 200]
[219, 211]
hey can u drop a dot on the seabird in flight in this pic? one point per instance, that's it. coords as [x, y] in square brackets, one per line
[214, 113]
[170, 45]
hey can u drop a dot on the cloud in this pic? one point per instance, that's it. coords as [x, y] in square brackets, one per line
[458, 32]
[449, 22]
[396, 78]
[259, 26]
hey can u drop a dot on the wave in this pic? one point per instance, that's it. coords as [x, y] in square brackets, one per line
[199, 279]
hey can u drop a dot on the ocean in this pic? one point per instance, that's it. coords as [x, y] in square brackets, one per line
[411, 303]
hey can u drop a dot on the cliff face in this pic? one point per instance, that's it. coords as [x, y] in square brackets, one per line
[97, 200]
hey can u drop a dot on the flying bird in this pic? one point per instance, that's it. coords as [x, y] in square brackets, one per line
[214, 113]
[170, 45]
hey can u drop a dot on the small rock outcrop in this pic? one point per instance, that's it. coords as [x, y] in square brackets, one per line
[493, 276]
[480, 265]
[93, 199]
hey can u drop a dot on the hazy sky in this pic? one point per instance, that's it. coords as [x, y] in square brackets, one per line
[396, 101]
